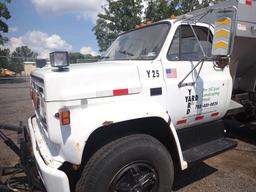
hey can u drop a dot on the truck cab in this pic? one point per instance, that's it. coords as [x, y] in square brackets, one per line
[151, 106]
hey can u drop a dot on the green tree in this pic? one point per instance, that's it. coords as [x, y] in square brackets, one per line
[75, 56]
[4, 15]
[185, 6]
[118, 16]
[25, 53]
[20, 55]
[163, 9]
[158, 10]
[4, 58]
[206, 3]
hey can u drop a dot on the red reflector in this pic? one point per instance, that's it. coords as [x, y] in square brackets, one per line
[181, 121]
[120, 92]
[248, 2]
[64, 116]
[215, 114]
[199, 118]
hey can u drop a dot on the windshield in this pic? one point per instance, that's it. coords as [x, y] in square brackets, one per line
[140, 44]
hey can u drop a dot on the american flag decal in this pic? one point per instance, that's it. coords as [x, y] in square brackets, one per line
[171, 73]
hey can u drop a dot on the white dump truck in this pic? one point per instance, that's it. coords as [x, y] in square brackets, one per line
[153, 105]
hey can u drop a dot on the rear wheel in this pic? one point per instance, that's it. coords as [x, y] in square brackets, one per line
[136, 163]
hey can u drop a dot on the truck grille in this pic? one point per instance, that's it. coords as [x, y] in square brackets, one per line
[37, 79]
[37, 96]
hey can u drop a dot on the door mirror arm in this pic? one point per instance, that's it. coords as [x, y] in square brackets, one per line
[182, 84]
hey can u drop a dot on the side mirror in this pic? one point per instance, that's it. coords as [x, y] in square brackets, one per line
[223, 33]
[221, 61]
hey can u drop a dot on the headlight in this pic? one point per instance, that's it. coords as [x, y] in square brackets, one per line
[59, 59]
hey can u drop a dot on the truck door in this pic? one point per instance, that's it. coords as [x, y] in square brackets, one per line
[209, 96]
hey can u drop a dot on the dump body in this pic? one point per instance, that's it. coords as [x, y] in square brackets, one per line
[243, 58]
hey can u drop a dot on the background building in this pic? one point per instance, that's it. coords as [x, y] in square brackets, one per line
[29, 66]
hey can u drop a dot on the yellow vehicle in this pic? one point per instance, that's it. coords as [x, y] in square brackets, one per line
[6, 73]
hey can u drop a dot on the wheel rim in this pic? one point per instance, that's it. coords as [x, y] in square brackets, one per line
[135, 177]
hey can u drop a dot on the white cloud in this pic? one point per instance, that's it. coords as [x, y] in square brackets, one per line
[14, 42]
[40, 43]
[88, 50]
[13, 29]
[83, 8]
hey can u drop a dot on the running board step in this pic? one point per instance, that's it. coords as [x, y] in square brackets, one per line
[207, 150]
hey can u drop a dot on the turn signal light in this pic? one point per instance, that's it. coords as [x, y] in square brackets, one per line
[64, 116]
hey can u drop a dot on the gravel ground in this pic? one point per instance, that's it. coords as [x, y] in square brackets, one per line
[234, 170]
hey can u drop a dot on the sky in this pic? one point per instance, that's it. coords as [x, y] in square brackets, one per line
[51, 25]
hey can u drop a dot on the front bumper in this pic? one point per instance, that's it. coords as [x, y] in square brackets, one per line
[53, 179]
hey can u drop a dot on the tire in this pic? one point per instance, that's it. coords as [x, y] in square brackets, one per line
[135, 163]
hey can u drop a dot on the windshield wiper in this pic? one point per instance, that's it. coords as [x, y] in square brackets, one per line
[126, 53]
[104, 57]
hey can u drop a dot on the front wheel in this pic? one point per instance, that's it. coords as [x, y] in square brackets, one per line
[136, 163]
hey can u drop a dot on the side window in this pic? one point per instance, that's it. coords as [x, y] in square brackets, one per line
[174, 50]
[185, 47]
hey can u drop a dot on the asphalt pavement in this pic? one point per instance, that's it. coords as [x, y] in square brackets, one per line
[234, 170]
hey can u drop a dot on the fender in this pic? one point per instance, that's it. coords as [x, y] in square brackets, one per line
[86, 120]
[183, 163]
